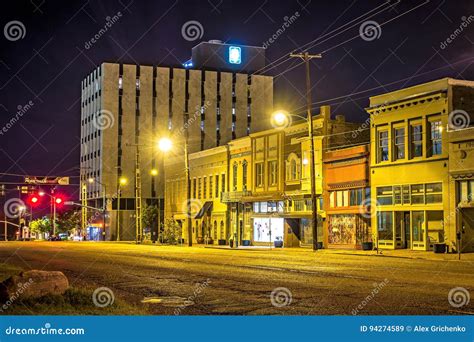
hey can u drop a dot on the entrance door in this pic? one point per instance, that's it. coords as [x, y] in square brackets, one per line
[418, 230]
[406, 229]
[402, 229]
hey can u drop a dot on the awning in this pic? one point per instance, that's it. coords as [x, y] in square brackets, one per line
[205, 208]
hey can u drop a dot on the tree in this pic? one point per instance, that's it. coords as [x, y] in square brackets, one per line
[41, 225]
[149, 215]
[171, 232]
[68, 221]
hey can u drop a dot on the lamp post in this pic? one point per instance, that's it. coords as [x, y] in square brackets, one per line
[165, 144]
[122, 181]
[104, 200]
[281, 118]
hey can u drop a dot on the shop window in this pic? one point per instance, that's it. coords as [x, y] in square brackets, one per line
[382, 146]
[263, 207]
[399, 143]
[272, 207]
[385, 195]
[397, 194]
[466, 190]
[385, 225]
[416, 141]
[273, 169]
[259, 175]
[436, 133]
[434, 193]
[418, 194]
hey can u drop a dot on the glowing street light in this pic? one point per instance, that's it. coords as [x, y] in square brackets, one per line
[154, 172]
[165, 144]
[123, 181]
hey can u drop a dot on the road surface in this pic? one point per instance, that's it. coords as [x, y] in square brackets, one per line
[241, 282]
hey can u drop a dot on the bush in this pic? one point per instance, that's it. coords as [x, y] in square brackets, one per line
[171, 232]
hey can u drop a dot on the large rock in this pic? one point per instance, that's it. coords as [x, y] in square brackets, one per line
[33, 283]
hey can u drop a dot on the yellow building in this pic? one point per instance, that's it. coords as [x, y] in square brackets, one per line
[409, 164]
[461, 185]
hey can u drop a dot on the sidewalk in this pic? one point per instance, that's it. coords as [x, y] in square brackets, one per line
[398, 253]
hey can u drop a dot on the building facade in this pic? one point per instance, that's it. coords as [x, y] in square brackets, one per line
[264, 185]
[409, 164]
[125, 109]
[346, 182]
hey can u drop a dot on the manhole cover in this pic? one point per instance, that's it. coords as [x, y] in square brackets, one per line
[173, 301]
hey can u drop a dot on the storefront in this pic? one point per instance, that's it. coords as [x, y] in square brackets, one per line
[347, 230]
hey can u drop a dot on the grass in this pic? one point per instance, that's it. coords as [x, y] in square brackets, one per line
[74, 301]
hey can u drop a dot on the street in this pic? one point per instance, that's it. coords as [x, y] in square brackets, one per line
[241, 282]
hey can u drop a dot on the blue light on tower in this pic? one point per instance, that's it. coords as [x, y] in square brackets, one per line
[235, 55]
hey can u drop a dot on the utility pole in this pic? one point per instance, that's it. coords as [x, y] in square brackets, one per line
[83, 208]
[188, 181]
[138, 197]
[307, 57]
[118, 210]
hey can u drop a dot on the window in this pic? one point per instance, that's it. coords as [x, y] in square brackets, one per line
[356, 197]
[385, 195]
[466, 190]
[292, 167]
[293, 170]
[217, 185]
[399, 143]
[385, 225]
[120, 82]
[234, 176]
[406, 194]
[259, 175]
[194, 188]
[273, 169]
[331, 199]
[434, 193]
[210, 187]
[397, 194]
[436, 130]
[199, 188]
[416, 141]
[223, 183]
[342, 198]
[204, 187]
[383, 146]
[418, 194]
[244, 175]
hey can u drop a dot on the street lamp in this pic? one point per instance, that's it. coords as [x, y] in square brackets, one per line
[165, 144]
[122, 181]
[104, 204]
[282, 118]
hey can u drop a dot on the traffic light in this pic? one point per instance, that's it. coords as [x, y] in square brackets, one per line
[33, 200]
[59, 200]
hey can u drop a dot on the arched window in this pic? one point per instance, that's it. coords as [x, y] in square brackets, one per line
[293, 167]
[222, 232]
[215, 230]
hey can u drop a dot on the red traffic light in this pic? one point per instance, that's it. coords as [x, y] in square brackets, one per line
[58, 200]
[33, 200]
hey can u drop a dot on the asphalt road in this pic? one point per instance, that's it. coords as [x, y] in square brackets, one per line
[241, 282]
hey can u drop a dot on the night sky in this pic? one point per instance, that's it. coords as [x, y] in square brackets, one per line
[47, 65]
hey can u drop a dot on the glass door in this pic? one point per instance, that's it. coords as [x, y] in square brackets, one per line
[418, 230]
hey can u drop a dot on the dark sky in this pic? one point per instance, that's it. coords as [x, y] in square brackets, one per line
[47, 65]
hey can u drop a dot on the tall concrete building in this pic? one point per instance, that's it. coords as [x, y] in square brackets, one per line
[125, 109]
